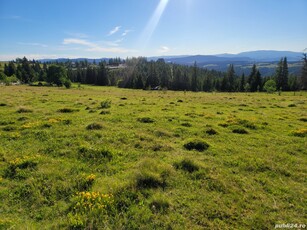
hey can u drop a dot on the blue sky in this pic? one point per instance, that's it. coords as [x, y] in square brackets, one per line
[124, 28]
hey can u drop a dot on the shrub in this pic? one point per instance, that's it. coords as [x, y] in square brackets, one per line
[94, 126]
[146, 120]
[240, 131]
[198, 145]
[3, 104]
[270, 86]
[67, 84]
[24, 110]
[105, 104]
[211, 131]
[186, 165]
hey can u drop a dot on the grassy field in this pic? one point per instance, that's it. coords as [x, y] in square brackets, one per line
[109, 158]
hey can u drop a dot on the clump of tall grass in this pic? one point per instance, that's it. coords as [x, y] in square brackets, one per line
[195, 144]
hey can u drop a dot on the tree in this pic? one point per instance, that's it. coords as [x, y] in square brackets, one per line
[304, 73]
[194, 86]
[10, 69]
[231, 78]
[102, 77]
[285, 74]
[270, 86]
[57, 74]
[242, 83]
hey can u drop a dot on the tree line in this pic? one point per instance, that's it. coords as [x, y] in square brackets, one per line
[139, 73]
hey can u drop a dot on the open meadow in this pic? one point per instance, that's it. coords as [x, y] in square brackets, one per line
[110, 158]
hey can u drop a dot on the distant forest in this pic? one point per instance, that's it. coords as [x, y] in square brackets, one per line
[138, 73]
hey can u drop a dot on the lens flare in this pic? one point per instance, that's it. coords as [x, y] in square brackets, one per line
[152, 23]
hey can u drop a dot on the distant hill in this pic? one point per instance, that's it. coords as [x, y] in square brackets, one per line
[266, 60]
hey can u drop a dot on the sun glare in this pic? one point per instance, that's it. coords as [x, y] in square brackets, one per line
[153, 22]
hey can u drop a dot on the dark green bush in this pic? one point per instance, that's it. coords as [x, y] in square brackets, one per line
[198, 145]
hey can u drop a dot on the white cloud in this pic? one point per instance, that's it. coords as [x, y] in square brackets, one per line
[93, 47]
[77, 35]
[164, 49]
[9, 57]
[126, 32]
[77, 41]
[32, 44]
[114, 30]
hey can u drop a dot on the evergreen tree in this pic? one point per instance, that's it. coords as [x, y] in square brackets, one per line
[278, 75]
[284, 74]
[231, 78]
[242, 83]
[303, 81]
[102, 77]
[194, 85]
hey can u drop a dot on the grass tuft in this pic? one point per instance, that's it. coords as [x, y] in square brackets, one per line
[146, 120]
[197, 145]
[94, 126]
[24, 110]
[186, 165]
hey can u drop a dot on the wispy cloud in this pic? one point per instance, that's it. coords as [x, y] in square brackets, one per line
[32, 44]
[94, 47]
[114, 30]
[126, 32]
[164, 49]
[113, 43]
[77, 35]
[11, 17]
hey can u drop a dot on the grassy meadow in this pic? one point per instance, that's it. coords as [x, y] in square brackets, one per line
[110, 158]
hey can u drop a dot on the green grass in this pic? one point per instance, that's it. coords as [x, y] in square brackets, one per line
[65, 164]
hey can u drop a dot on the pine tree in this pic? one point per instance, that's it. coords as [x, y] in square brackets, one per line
[194, 86]
[231, 78]
[278, 75]
[242, 83]
[252, 79]
[285, 75]
[303, 81]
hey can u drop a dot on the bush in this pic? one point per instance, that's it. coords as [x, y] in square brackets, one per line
[240, 131]
[146, 120]
[198, 145]
[3, 104]
[105, 104]
[94, 126]
[186, 165]
[270, 86]
[67, 84]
